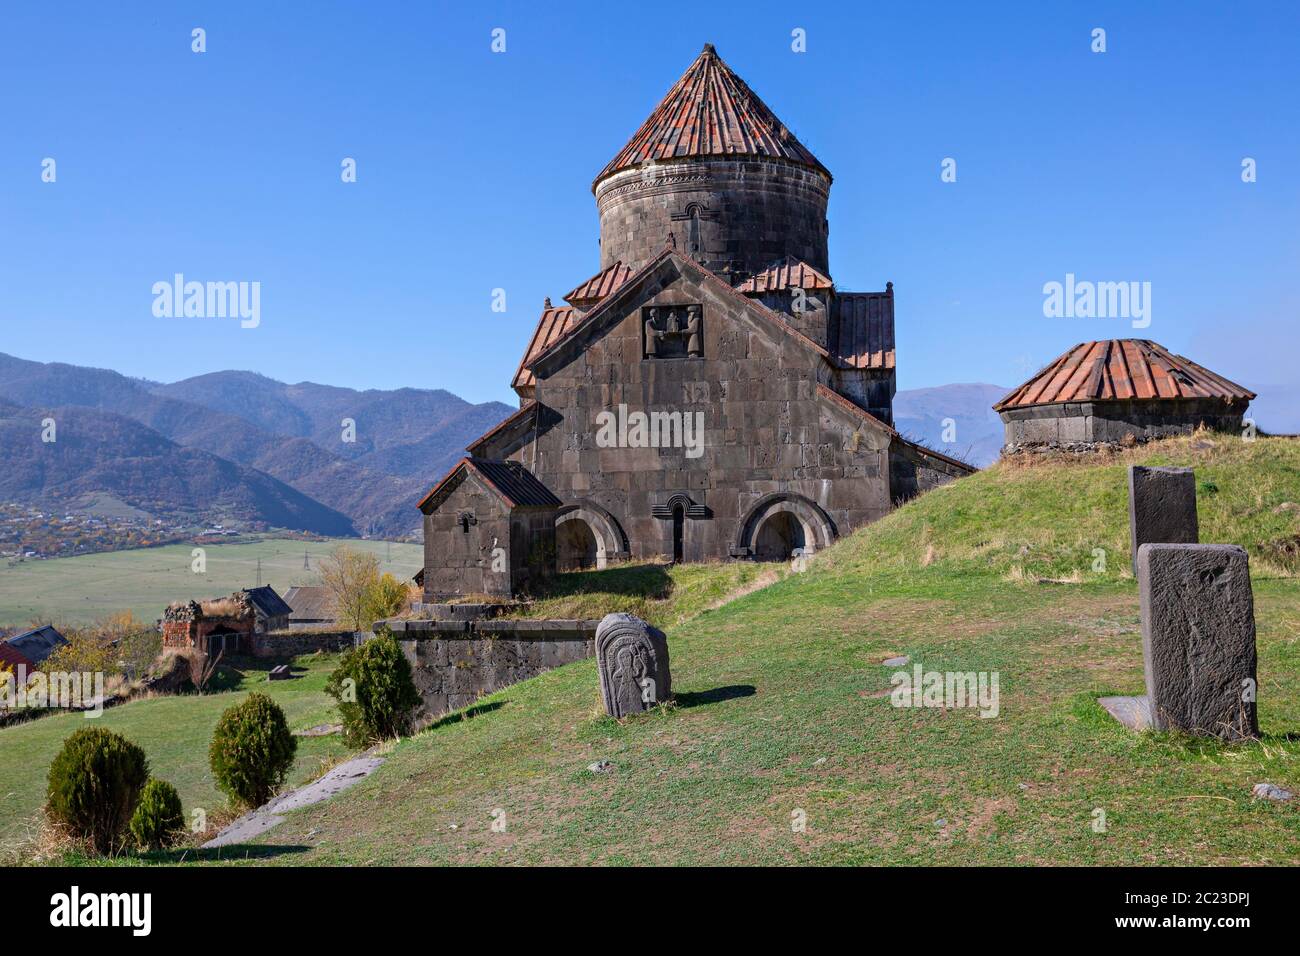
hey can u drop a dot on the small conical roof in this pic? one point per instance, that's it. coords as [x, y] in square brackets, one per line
[711, 112]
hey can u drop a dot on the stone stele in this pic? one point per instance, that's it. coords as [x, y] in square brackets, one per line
[1161, 507]
[632, 658]
[1198, 638]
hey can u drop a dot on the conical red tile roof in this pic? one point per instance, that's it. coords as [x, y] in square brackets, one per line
[711, 112]
[1119, 369]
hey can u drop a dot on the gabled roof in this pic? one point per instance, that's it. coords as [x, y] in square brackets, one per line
[38, 643]
[862, 329]
[789, 273]
[555, 323]
[310, 603]
[510, 481]
[600, 285]
[602, 311]
[835, 398]
[1121, 369]
[268, 601]
[710, 111]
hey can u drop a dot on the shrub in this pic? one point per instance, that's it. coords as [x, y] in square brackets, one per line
[158, 820]
[94, 785]
[252, 750]
[375, 691]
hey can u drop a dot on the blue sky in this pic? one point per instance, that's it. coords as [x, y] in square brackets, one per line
[475, 168]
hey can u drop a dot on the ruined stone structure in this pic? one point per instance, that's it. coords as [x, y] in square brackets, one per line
[227, 624]
[1116, 392]
[709, 393]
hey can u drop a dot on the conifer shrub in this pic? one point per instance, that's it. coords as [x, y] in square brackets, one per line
[159, 820]
[375, 690]
[94, 785]
[252, 751]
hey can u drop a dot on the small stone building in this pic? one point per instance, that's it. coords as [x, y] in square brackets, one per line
[489, 531]
[1119, 391]
[225, 624]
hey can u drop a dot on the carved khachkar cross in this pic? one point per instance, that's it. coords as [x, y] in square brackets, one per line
[674, 332]
[632, 661]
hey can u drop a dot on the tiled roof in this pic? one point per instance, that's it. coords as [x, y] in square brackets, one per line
[789, 273]
[514, 484]
[555, 323]
[599, 285]
[38, 643]
[310, 603]
[268, 601]
[862, 329]
[711, 112]
[1119, 369]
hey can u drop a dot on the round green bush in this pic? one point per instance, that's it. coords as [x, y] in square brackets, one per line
[158, 820]
[375, 690]
[252, 750]
[94, 785]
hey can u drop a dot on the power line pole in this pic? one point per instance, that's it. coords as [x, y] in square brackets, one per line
[306, 564]
[259, 572]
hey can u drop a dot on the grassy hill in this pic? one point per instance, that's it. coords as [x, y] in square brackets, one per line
[782, 708]
[145, 580]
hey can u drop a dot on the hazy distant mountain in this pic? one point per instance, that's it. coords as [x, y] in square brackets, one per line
[100, 452]
[410, 432]
[919, 414]
[406, 438]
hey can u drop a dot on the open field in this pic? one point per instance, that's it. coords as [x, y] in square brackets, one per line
[145, 581]
[174, 732]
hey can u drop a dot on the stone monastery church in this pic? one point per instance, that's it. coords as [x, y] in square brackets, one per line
[709, 393]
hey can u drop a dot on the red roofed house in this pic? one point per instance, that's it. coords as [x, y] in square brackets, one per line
[751, 398]
[1115, 392]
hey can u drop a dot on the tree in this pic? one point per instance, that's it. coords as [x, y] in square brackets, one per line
[351, 578]
[387, 597]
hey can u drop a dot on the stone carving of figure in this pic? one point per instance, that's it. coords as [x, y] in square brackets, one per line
[652, 334]
[695, 340]
[632, 662]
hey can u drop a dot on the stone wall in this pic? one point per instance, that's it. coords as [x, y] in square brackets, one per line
[768, 430]
[456, 662]
[285, 644]
[1084, 425]
[747, 214]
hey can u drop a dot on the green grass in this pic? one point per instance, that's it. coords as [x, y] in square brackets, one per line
[779, 708]
[145, 580]
[662, 594]
[174, 732]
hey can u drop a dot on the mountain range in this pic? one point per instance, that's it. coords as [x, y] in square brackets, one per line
[234, 443]
[238, 446]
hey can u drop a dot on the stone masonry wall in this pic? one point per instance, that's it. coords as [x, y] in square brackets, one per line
[1087, 423]
[766, 430]
[456, 662]
[751, 213]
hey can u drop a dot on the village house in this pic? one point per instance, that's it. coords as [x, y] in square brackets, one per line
[709, 393]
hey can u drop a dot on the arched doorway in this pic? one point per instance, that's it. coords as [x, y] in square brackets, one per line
[779, 534]
[587, 536]
[780, 523]
[575, 545]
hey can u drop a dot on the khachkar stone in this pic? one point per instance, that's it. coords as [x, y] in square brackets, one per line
[632, 659]
[1161, 507]
[1198, 638]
